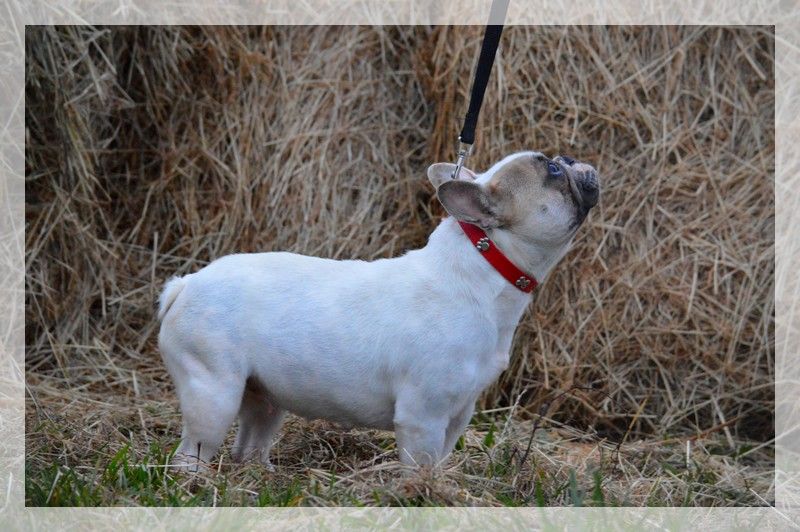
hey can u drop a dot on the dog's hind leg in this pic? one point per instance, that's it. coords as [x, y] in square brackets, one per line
[209, 403]
[259, 420]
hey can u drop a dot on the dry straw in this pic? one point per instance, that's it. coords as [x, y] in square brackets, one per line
[152, 151]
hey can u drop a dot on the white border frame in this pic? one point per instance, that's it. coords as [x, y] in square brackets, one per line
[15, 14]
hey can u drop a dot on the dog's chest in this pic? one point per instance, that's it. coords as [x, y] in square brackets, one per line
[498, 360]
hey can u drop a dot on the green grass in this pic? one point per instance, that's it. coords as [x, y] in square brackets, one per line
[121, 482]
[342, 470]
[146, 482]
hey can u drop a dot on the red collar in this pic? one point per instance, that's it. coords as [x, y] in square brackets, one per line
[495, 257]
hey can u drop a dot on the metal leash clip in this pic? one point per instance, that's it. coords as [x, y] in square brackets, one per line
[464, 151]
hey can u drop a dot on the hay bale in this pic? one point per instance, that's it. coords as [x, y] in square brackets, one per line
[151, 151]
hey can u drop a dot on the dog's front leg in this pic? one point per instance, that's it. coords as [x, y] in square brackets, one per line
[420, 443]
[420, 433]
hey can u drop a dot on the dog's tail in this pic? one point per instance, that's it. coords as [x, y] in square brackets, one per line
[168, 296]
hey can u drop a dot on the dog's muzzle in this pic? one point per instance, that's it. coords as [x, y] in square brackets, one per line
[582, 180]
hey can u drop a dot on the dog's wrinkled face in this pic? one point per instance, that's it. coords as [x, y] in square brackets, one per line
[533, 197]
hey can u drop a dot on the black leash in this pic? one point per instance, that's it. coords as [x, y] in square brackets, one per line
[491, 38]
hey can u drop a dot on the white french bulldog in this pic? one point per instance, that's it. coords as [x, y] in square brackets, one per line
[406, 343]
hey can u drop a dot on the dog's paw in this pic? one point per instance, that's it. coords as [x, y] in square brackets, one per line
[187, 463]
[261, 456]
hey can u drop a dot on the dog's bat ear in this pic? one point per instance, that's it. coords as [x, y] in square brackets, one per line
[440, 173]
[469, 202]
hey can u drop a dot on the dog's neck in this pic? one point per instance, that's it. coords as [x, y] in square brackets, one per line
[534, 258]
[452, 251]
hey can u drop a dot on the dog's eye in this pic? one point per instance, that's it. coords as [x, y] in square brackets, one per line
[554, 169]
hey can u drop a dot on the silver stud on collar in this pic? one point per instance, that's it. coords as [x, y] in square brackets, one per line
[483, 244]
[522, 282]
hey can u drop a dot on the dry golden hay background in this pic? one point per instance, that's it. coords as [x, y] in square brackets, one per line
[152, 151]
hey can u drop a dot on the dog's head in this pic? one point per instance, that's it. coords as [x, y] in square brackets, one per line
[534, 198]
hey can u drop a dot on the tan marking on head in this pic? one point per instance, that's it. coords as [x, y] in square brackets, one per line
[522, 185]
